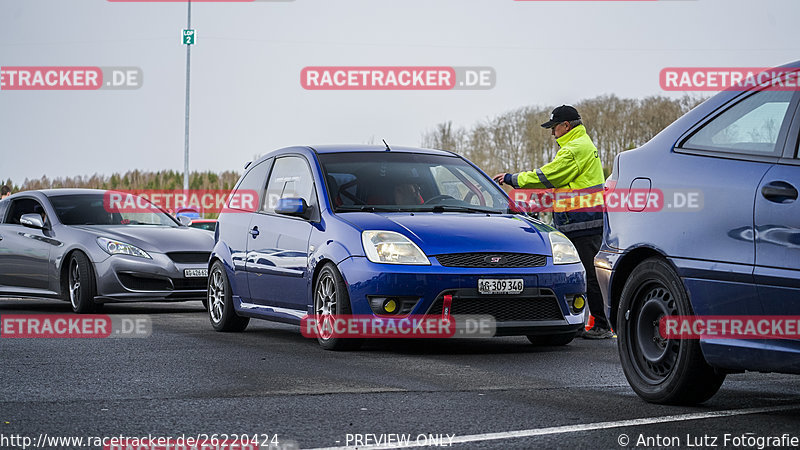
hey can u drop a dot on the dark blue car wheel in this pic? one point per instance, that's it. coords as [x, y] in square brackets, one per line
[220, 302]
[331, 299]
[660, 370]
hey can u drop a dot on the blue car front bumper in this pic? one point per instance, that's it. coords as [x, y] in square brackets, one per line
[542, 308]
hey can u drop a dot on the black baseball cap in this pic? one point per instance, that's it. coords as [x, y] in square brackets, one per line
[563, 113]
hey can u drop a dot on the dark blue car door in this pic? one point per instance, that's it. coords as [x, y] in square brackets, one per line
[232, 229]
[743, 141]
[277, 249]
[777, 218]
[777, 224]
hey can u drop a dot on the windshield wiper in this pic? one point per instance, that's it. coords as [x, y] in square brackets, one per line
[365, 208]
[436, 208]
[457, 208]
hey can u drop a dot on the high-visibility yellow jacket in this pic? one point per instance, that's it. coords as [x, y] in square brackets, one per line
[576, 166]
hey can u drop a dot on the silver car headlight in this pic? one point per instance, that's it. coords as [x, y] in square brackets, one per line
[389, 247]
[564, 252]
[113, 247]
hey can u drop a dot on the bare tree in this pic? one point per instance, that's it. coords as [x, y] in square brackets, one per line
[515, 141]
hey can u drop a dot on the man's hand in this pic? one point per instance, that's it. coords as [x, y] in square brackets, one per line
[499, 178]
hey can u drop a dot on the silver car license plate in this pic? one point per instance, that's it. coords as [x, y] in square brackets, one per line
[504, 286]
[195, 273]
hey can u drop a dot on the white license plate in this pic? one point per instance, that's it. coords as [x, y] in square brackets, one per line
[195, 273]
[505, 286]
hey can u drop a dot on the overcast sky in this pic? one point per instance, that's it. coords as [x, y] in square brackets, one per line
[246, 96]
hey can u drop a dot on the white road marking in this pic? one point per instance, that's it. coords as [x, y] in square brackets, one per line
[588, 427]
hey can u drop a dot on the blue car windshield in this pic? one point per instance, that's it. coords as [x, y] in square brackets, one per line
[398, 181]
[100, 209]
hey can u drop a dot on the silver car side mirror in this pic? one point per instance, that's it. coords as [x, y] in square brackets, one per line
[185, 221]
[32, 220]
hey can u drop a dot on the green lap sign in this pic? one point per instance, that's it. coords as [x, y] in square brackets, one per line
[189, 37]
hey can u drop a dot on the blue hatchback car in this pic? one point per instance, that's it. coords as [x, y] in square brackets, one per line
[726, 243]
[390, 233]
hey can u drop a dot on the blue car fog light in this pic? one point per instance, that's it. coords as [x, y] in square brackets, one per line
[577, 303]
[390, 306]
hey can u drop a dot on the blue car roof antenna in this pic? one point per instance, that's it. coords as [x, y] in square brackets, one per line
[387, 145]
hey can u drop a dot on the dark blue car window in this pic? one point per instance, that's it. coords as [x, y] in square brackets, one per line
[291, 178]
[255, 180]
[752, 126]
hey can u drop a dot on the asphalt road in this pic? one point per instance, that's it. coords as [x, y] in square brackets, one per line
[186, 379]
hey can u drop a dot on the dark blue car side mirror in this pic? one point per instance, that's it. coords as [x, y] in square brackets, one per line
[296, 207]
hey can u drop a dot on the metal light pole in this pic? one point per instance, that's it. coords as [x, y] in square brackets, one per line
[186, 127]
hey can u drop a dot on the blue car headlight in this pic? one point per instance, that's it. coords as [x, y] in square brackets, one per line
[389, 247]
[113, 247]
[563, 250]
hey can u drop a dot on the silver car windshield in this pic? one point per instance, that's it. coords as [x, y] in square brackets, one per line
[95, 209]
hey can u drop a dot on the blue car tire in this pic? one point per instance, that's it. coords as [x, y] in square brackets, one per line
[220, 302]
[660, 370]
[331, 298]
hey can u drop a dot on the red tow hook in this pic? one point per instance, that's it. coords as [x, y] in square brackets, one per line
[448, 303]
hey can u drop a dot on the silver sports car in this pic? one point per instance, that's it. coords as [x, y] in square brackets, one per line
[74, 245]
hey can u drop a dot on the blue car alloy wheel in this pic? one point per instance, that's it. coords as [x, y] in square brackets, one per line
[220, 303]
[330, 299]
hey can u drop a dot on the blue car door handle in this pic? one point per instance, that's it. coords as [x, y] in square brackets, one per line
[254, 232]
[779, 192]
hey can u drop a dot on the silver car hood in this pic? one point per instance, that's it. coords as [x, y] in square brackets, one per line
[156, 239]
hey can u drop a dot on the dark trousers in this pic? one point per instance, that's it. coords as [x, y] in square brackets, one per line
[587, 247]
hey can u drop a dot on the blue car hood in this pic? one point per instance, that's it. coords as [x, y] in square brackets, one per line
[440, 233]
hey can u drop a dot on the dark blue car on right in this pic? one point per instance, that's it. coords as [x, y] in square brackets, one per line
[736, 252]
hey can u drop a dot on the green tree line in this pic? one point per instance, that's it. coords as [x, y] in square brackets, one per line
[132, 179]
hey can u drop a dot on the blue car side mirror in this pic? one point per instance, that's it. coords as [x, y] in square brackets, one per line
[296, 207]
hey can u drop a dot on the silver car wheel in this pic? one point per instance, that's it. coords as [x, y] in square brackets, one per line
[74, 283]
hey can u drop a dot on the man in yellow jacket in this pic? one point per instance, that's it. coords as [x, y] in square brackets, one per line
[576, 167]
